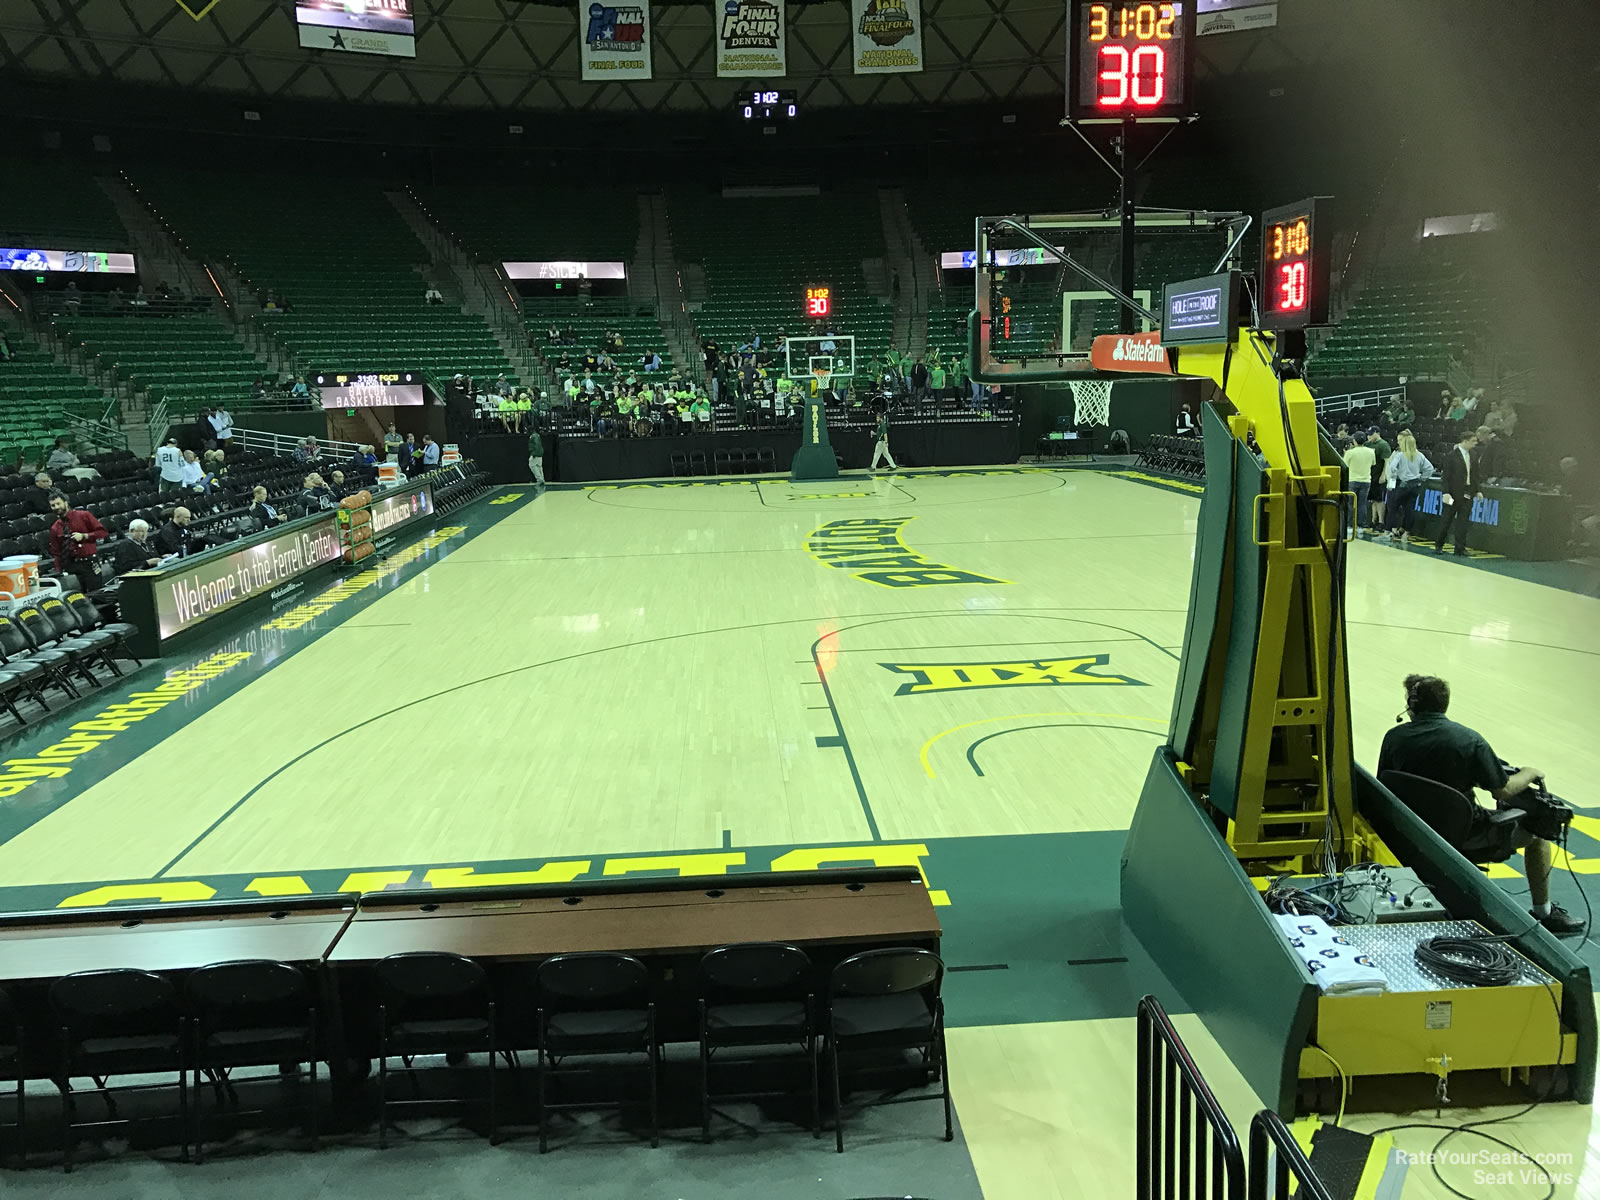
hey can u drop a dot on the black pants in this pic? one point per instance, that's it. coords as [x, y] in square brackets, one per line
[1400, 510]
[1457, 515]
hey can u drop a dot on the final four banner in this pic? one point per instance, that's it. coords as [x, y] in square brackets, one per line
[616, 40]
[751, 39]
[887, 36]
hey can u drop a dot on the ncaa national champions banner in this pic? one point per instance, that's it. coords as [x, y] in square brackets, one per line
[614, 40]
[886, 36]
[750, 38]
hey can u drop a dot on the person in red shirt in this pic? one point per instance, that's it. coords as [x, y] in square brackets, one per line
[74, 540]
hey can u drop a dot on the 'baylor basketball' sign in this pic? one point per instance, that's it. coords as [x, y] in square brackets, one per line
[947, 677]
[871, 548]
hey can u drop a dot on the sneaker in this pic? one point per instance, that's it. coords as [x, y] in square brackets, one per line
[1559, 921]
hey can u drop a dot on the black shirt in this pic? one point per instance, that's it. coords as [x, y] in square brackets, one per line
[129, 555]
[173, 539]
[1437, 748]
[37, 499]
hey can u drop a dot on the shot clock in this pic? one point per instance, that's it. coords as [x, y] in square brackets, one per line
[1295, 252]
[819, 301]
[1131, 60]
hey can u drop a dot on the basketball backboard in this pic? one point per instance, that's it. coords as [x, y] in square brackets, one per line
[833, 352]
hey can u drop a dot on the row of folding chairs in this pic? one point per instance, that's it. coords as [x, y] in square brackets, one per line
[1174, 454]
[577, 1009]
[56, 643]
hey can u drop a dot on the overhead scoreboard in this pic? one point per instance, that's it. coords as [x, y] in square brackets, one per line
[1131, 60]
[766, 104]
[819, 301]
[1296, 249]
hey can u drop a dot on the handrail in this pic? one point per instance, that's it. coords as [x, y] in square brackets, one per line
[1344, 402]
[1185, 1144]
[105, 434]
[288, 443]
[157, 423]
[1290, 1160]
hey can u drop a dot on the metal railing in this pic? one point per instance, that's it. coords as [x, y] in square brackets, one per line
[288, 443]
[1275, 1157]
[157, 422]
[105, 434]
[1332, 406]
[1185, 1145]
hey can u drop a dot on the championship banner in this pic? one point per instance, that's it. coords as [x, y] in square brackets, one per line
[615, 41]
[751, 39]
[887, 36]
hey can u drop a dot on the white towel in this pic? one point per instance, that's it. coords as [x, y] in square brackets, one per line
[1339, 968]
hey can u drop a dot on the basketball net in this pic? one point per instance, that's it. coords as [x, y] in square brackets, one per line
[821, 377]
[1091, 400]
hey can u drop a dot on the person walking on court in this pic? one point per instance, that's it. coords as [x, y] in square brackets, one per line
[1406, 470]
[536, 456]
[881, 449]
[1455, 506]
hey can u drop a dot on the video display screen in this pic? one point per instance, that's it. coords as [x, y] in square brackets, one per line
[403, 389]
[565, 270]
[96, 262]
[358, 26]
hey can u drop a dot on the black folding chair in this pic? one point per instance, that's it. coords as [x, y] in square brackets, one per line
[11, 1068]
[85, 645]
[594, 1004]
[755, 994]
[1478, 834]
[888, 1000]
[250, 1013]
[117, 1022]
[89, 618]
[432, 1002]
[36, 669]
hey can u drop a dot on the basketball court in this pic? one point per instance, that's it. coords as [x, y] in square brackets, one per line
[963, 670]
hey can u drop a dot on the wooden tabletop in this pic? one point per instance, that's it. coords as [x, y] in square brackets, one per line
[50, 950]
[644, 923]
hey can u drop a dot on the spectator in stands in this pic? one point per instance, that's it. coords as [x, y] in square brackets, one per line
[258, 389]
[1447, 403]
[1359, 459]
[1380, 455]
[300, 389]
[75, 538]
[1502, 417]
[37, 498]
[1455, 505]
[1408, 468]
[337, 484]
[432, 295]
[430, 452]
[169, 462]
[61, 458]
[174, 539]
[134, 552]
[650, 362]
[1185, 423]
[553, 334]
[919, 379]
[139, 300]
[880, 448]
[1399, 413]
[222, 428]
[316, 496]
[215, 465]
[201, 435]
[194, 475]
[261, 514]
[308, 451]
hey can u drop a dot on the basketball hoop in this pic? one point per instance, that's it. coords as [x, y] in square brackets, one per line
[1091, 400]
[821, 377]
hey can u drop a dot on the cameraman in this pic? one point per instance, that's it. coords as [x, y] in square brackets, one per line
[1436, 748]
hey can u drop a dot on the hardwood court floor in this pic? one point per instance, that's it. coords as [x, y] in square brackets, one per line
[965, 670]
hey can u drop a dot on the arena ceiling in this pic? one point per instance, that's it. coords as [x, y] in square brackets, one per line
[517, 57]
